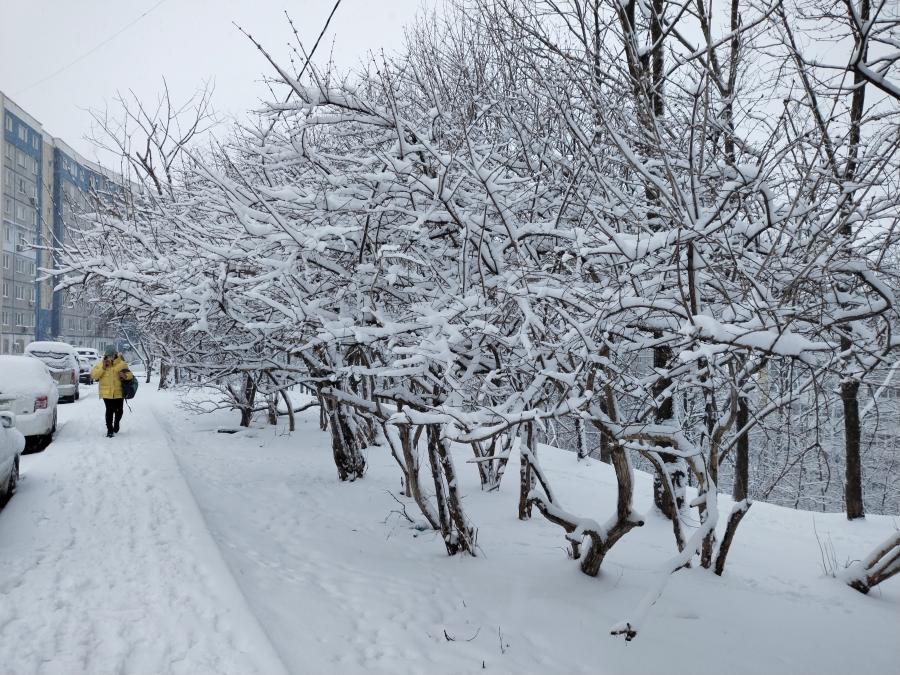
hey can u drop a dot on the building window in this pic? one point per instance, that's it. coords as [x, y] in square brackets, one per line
[5, 289]
[6, 261]
[8, 123]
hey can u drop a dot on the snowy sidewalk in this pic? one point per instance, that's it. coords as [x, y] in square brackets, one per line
[106, 564]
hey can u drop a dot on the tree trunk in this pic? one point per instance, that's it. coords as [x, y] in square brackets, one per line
[458, 536]
[414, 489]
[526, 475]
[248, 400]
[272, 409]
[878, 566]
[290, 410]
[741, 487]
[345, 443]
[605, 447]
[580, 438]
[853, 492]
[674, 466]
[737, 513]
[602, 542]
[163, 375]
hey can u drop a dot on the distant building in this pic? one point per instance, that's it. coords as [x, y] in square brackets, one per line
[44, 182]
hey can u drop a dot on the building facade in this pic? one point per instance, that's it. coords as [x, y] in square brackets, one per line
[44, 183]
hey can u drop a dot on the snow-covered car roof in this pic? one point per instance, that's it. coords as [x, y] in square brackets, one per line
[57, 355]
[23, 375]
[51, 347]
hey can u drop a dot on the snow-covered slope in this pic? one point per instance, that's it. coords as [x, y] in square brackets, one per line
[342, 582]
[108, 565]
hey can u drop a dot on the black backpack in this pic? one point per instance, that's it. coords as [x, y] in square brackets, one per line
[129, 387]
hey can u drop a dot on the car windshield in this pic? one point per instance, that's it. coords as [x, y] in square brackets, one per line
[55, 360]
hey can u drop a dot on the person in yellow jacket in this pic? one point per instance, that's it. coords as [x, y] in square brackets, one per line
[110, 373]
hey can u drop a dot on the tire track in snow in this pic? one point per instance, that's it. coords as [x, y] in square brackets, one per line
[106, 566]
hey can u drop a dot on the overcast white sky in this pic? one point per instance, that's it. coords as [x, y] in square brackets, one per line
[185, 41]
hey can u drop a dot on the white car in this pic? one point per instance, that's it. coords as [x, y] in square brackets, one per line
[87, 357]
[28, 391]
[85, 365]
[62, 360]
[12, 442]
[89, 352]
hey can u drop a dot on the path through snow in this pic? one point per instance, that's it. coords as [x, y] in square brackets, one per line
[106, 564]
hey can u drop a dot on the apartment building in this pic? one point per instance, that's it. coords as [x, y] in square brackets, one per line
[44, 183]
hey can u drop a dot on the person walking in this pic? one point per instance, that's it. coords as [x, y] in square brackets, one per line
[110, 373]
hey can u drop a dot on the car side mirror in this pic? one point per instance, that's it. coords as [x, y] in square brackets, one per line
[7, 420]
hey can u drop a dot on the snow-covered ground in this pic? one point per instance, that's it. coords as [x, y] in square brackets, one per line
[107, 566]
[173, 548]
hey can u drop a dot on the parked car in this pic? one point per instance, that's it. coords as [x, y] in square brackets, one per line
[62, 360]
[29, 392]
[89, 352]
[12, 442]
[84, 370]
[87, 357]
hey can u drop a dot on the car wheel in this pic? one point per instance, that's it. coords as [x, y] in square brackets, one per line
[33, 444]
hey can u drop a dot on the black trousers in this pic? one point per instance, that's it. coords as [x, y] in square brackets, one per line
[113, 412]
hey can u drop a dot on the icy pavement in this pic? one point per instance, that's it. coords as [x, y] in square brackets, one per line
[107, 566]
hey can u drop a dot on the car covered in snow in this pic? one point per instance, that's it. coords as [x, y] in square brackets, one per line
[29, 392]
[62, 360]
[12, 442]
[87, 357]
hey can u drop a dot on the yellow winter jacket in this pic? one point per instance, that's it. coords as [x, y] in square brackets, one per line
[110, 384]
